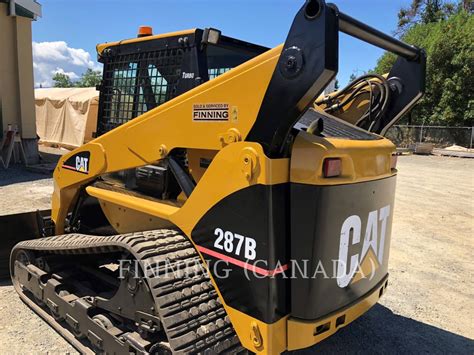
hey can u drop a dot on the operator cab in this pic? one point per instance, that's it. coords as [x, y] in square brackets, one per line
[142, 73]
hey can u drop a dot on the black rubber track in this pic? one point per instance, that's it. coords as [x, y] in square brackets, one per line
[186, 302]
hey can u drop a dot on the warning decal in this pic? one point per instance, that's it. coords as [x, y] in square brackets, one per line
[210, 112]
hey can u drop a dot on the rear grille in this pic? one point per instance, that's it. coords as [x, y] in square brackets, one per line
[136, 83]
[335, 128]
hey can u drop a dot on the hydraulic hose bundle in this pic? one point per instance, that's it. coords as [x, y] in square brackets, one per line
[373, 87]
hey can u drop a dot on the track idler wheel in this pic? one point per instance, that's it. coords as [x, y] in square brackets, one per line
[25, 257]
[160, 349]
[103, 321]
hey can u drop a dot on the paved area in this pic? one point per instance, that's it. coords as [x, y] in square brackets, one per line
[24, 191]
[428, 307]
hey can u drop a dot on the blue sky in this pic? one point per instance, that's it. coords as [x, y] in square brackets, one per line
[66, 35]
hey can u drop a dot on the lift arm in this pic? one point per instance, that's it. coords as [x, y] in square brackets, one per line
[309, 61]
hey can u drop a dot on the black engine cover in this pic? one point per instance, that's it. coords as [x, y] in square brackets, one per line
[340, 239]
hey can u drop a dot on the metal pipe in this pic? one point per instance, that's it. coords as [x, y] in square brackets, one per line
[368, 34]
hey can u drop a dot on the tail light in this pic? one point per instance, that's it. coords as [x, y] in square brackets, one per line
[332, 167]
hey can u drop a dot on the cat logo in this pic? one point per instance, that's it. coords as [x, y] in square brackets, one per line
[78, 162]
[82, 164]
[363, 264]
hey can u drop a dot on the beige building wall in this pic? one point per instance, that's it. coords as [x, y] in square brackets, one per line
[16, 78]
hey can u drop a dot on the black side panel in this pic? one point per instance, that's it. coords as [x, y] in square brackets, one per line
[259, 212]
[331, 228]
[308, 62]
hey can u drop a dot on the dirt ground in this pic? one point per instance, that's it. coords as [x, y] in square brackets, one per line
[24, 191]
[429, 304]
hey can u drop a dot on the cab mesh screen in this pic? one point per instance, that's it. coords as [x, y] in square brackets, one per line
[136, 83]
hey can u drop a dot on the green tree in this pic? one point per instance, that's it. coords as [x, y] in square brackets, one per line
[91, 78]
[61, 80]
[423, 12]
[449, 97]
[352, 77]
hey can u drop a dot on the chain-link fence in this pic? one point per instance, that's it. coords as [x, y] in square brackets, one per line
[405, 136]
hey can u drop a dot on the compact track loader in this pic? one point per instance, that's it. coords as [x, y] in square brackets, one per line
[225, 206]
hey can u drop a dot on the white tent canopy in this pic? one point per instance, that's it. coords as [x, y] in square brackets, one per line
[66, 116]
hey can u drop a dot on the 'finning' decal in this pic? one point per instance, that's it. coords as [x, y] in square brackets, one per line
[211, 112]
[78, 162]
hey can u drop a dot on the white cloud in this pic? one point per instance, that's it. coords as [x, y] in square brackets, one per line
[70, 74]
[57, 57]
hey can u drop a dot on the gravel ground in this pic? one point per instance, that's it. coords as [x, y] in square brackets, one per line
[429, 303]
[24, 191]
